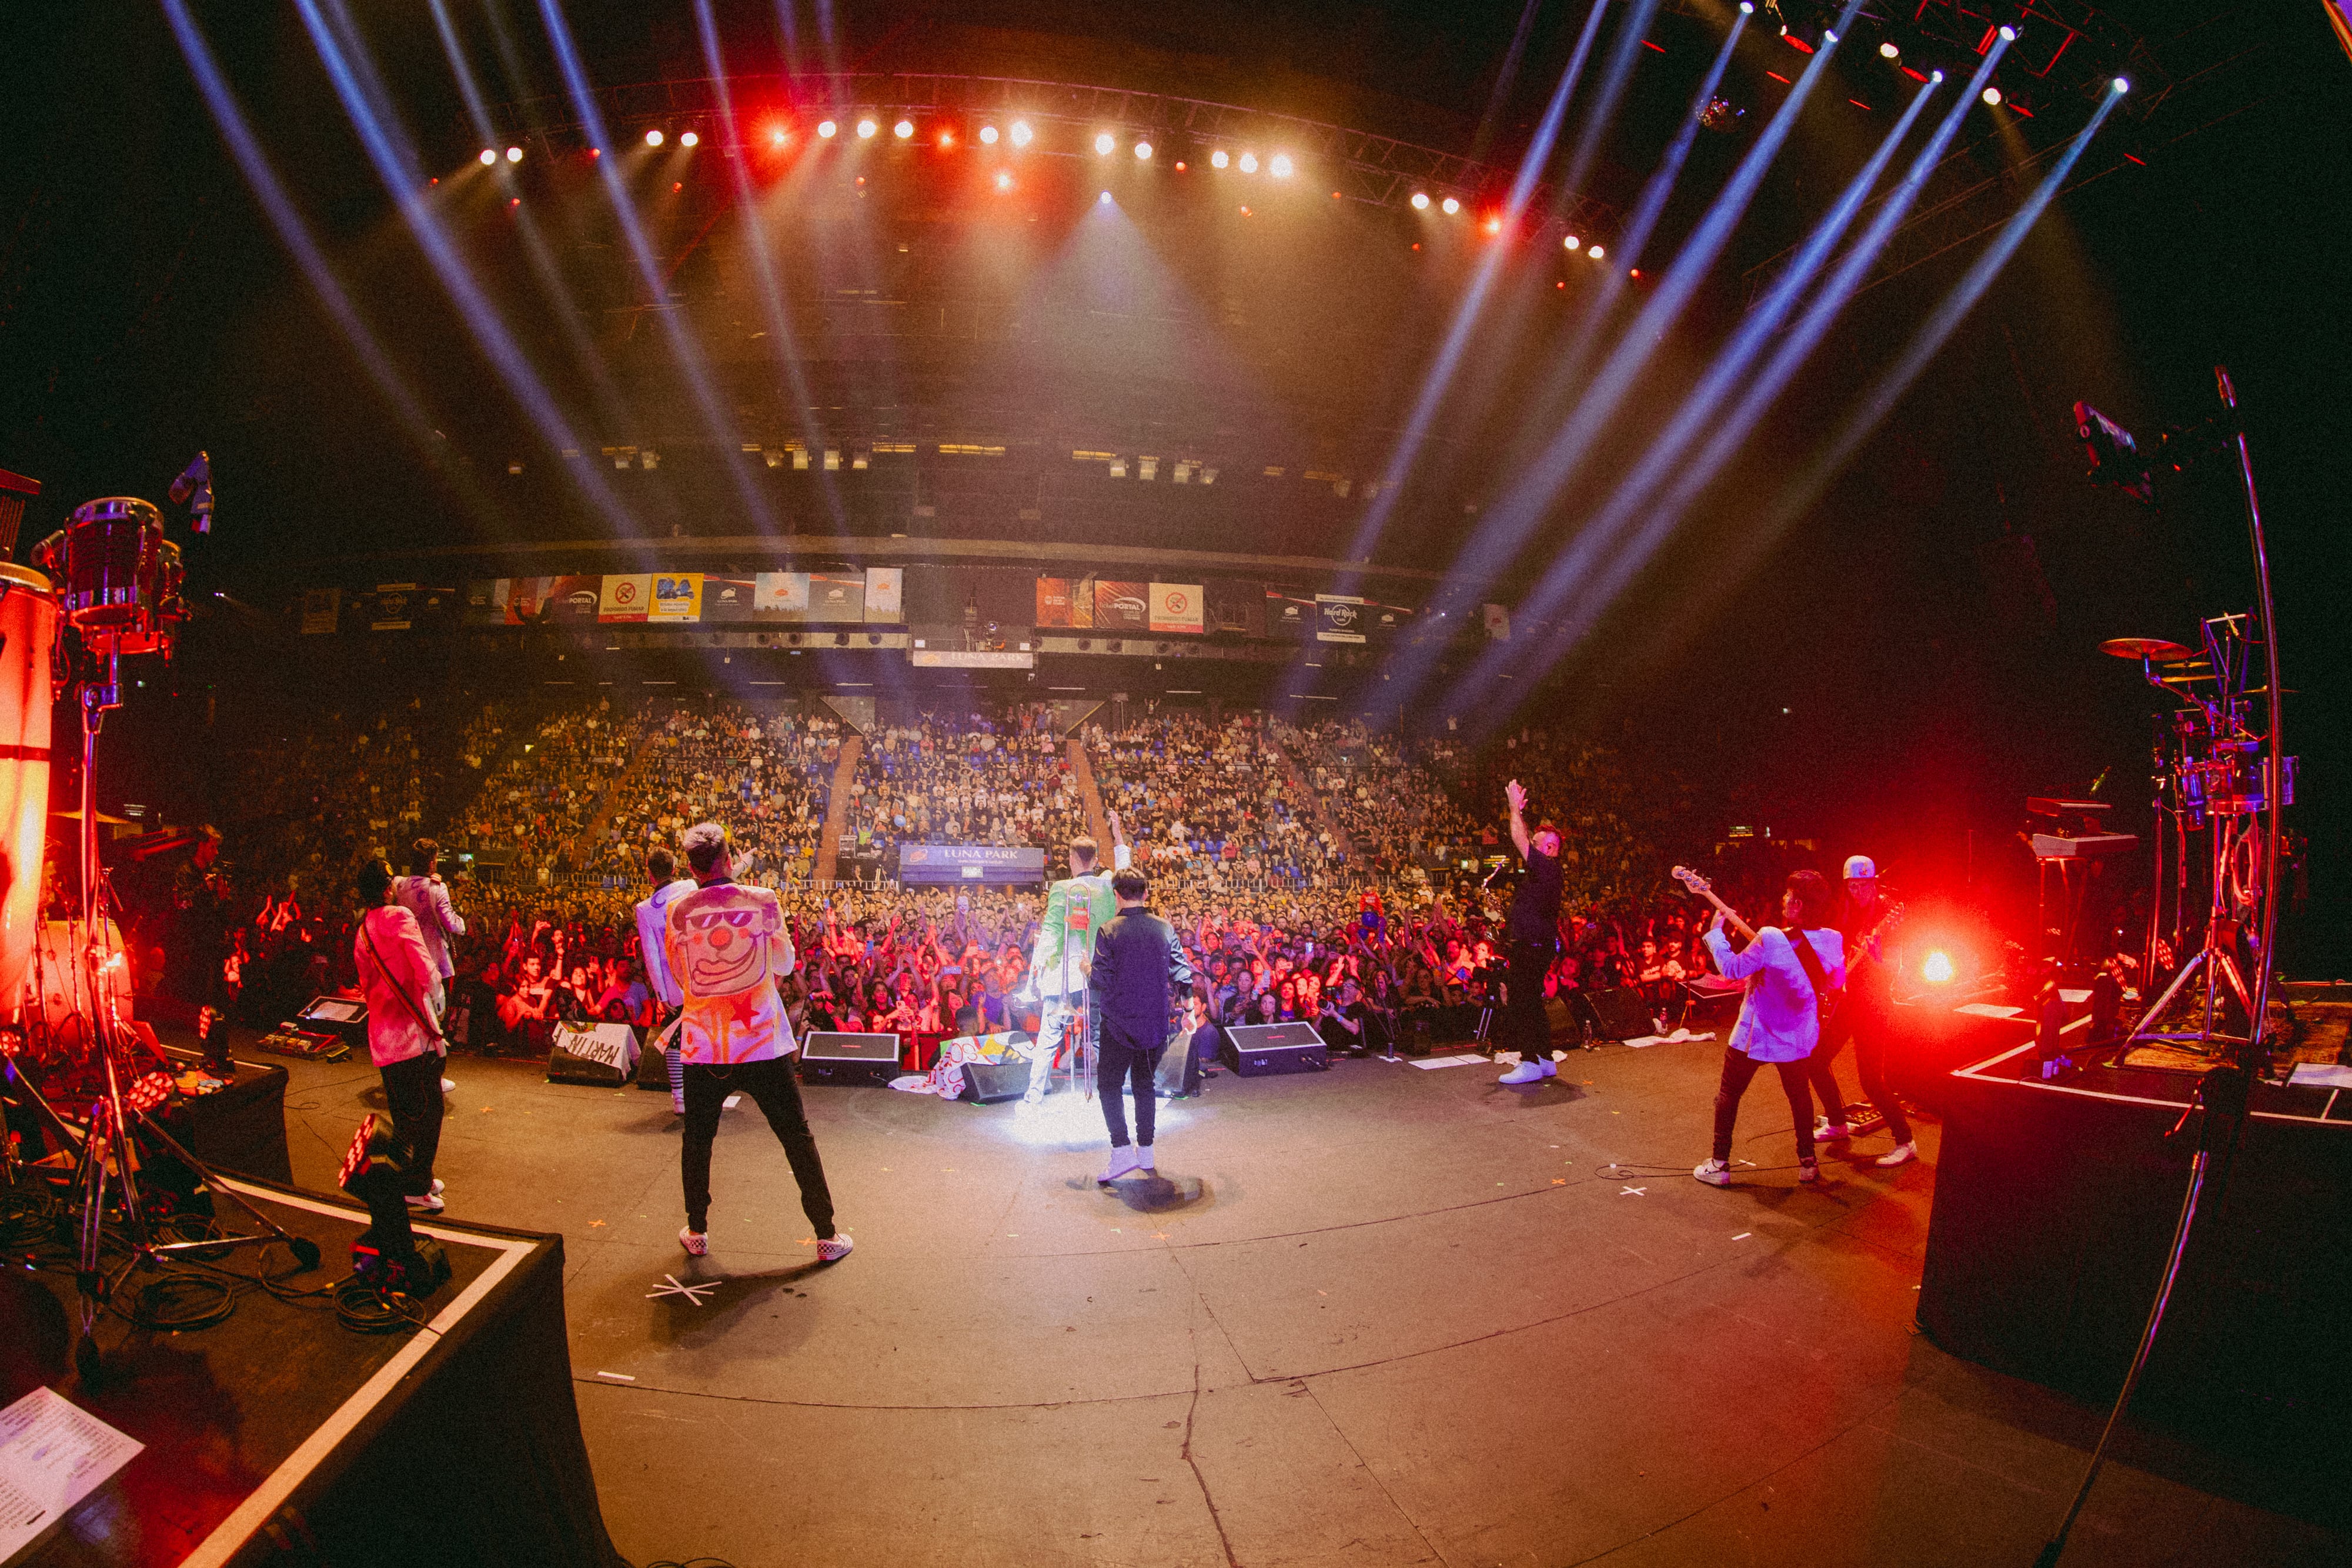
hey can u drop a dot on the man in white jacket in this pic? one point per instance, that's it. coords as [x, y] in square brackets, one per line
[1780, 1021]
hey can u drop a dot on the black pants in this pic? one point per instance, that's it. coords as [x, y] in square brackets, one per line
[412, 1092]
[1524, 1028]
[772, 1086]
[1866, 1027]
[1117, 1063]
[1739, 1072]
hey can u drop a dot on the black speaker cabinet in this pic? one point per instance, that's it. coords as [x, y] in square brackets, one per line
[992, 1082]
[830, 1057]
[1616, 1014]
[1263, 1050]
[605, 1054]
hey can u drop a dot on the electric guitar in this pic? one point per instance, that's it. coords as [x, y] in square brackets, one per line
[1705, 889]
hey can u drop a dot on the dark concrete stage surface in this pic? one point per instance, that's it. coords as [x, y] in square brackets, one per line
[1382, 1315]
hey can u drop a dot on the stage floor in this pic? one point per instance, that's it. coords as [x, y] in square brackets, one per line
[1382, 1315]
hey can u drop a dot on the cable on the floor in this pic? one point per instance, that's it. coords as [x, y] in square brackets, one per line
[690, 1563]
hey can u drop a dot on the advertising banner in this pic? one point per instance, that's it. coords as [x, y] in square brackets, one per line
[678, 597]
[726, 598]
[1052, 601]
[571, 600]
[485, 601]
[625, 597]
[781, 596]
[934, 863]
[886, 594]
[320, 609]
[1176, 607]
[1289, 612]
[836, 596]
[1339, 618]
[1122, 606]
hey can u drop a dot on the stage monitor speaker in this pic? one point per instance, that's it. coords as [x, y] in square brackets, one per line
[992, 1082]
[828, 1057]
[605, 1054]
[1179, 1064]
[1616, 1014]
[1263, 1050]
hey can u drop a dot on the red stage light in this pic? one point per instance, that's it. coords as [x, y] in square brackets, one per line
[1938, 970]
[778, 136]
[1777, 76]
[1647, 45]
[1494, 225]
[947, 140]
[1799, 45]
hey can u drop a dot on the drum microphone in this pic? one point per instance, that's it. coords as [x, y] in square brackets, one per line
[194, 489]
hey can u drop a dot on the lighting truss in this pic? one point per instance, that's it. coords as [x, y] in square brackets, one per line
[1379, 171]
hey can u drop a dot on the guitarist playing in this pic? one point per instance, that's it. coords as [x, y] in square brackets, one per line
[1863, 1016]
[1797, 965]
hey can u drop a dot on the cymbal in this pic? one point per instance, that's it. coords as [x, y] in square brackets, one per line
[2156, 650]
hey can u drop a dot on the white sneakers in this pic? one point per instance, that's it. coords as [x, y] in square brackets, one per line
[1809, 1170]
[834, 1248]
[831, 1250]
[677, 1104]
[696, 1242]
[1715, 1173]
[425, 1202]
[1901, 1154]
[1825, 1130]
[449, 1086]
[1530, 1071]
[1143, 1158]
[1123, 1162]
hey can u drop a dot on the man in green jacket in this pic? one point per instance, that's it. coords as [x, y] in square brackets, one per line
[1076, 909]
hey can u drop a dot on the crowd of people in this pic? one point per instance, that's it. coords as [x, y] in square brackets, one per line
[1331, 871]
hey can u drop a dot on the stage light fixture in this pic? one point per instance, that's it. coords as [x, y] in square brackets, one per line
[1938, 970]
[865, 129]
[1003, 181]
[1993, 95]
[827, 128]
[514, 154]
[903, 130]
[1421, 201]
[1493, 225]
[947, 140]
[1450, 206]
[1828, 37]
[988, 135]
[689, 139]
[2007, 35]
[1144, 151]
[1021, 134]
[1747, 7]
[1249, 162]
[1104, 143]
[489, 157]
[1219, 159]
[2121, 84]
[1889, 50]
[652, 138]
[1596, 253]
[1569, 244]
[1102, 200]
[1281, 166]
[778, 137]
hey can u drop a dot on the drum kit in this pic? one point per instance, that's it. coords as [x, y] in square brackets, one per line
[2216, 772]
[118, 593]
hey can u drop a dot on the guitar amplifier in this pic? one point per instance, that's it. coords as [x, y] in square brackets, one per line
[605, 1054]
[1263, 1050]
[844, 1058]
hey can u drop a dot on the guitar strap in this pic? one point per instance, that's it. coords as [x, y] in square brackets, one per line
[1824, 999]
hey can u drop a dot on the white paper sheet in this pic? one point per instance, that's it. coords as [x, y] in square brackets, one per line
[53, 1454]
[2321, 1075]
[1989, 1011]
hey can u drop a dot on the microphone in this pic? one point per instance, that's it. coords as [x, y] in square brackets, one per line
[194, 489]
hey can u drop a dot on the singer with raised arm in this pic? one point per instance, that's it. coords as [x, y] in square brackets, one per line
[1795, 969]
[1533, 933]
[1076, 909]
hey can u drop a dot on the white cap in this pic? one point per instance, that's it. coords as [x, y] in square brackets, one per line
[1860, 868]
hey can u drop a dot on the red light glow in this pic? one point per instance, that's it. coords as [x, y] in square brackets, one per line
[1938, 970]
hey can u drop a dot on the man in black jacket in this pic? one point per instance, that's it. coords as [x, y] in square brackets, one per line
[1139, 976]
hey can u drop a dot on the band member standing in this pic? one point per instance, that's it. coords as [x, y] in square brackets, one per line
[1780, 1021]
[1076, 909]
[423, 895]
[1139, 976]
[404, 1040]
[1533, 931]
[1864, 1018]
[727, 947]
[653, 915]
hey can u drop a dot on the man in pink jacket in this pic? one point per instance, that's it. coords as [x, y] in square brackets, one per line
[403, 987]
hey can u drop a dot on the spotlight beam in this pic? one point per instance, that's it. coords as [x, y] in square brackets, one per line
[715, 419]
[1504, 530]
[1439, 376]
[295, 234]
[1567, 577]
[1603, 111]
[394, 159]
[763, 267]
[1800, 495]
[1794, 349]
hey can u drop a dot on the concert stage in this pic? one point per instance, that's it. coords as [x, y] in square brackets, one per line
[1382, 1314]
[281, 1435]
